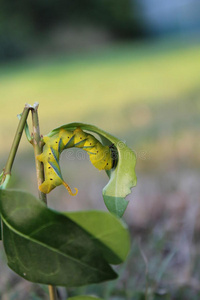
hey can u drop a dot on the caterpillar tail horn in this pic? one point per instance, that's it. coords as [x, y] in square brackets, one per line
[69, 190]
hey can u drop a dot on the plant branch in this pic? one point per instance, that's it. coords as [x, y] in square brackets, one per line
[37, 146]
[15, 145]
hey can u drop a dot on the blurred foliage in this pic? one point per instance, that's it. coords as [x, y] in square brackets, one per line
[25, 23]
[147, 84]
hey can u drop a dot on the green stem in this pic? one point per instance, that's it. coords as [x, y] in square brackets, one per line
[15, 145]
[37, 146]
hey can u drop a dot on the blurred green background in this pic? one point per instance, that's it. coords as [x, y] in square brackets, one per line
[133, 69]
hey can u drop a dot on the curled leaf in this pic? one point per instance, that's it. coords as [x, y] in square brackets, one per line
[122, 176]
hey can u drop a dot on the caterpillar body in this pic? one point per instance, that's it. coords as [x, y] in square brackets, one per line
[100, 155]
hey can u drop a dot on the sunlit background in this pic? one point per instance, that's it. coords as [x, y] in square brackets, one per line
[132, 68]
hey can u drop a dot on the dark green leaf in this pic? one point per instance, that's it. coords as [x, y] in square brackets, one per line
[48, 247]
[108, 230]
[122, 177]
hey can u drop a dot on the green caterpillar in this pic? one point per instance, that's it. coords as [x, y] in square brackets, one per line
[100, 156]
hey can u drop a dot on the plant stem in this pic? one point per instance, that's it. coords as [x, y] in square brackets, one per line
[15, 145]
[52, 292]
[37, 146]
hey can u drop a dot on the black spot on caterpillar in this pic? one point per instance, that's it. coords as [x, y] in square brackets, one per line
[100, 156]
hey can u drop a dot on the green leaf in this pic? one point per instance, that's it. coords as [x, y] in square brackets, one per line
[110, 232]
[47, 247]
[122, 176]
[84, 298]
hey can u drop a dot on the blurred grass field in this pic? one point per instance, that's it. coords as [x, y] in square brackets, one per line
[149, 96]
[118, 88]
